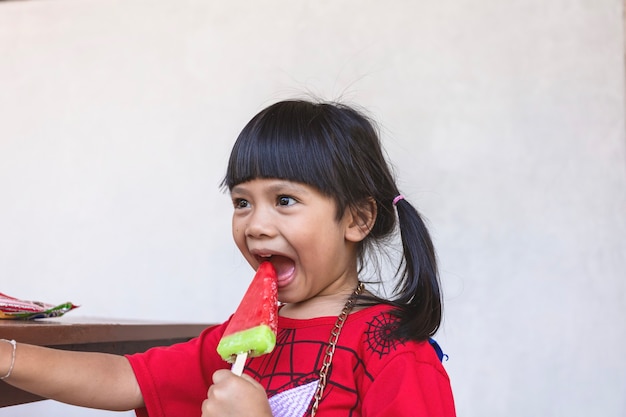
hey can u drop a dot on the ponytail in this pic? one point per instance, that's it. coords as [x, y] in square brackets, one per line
[419, 305]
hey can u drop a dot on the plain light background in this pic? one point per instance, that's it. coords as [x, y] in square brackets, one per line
[504, 120]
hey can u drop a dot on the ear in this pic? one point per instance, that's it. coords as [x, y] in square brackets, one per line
[360, 220]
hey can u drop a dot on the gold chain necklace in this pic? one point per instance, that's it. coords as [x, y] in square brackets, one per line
[332, 345]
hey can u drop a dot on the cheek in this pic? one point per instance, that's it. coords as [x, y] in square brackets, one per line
[321, 241]
[236, 230]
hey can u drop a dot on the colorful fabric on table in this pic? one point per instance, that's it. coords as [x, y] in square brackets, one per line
[12, 308]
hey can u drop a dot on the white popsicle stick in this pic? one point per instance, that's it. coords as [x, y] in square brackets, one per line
[240, 362]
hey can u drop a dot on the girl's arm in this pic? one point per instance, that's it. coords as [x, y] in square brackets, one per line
[88, 379]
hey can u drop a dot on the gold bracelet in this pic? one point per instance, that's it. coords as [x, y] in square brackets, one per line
[14, 343]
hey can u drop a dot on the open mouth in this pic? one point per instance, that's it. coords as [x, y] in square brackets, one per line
[283, 265]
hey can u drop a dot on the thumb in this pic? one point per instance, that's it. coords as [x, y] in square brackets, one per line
[221, 375]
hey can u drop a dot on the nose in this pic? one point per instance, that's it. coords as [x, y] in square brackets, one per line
[260, 224]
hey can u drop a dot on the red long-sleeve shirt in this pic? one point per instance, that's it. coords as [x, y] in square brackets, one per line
[371, 375]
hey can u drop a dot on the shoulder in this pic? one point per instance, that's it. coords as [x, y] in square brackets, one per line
[373, 326]
[202, 344]
[399, 375]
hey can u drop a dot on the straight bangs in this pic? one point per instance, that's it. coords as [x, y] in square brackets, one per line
[290, 141]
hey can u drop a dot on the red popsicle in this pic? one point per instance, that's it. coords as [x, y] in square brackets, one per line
[252, 329]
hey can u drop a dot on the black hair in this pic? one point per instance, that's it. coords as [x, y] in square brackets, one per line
[336, 149]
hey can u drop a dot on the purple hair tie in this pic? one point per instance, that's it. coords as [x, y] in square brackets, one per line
[398, 198]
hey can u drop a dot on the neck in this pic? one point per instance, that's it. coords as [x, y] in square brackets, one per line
[318, 306]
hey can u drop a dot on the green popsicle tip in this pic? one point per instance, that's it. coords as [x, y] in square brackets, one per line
[257, 341]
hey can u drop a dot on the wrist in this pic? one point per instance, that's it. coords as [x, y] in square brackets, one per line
[6, 365]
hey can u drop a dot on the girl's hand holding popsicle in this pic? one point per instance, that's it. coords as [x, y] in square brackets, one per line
[236, 396]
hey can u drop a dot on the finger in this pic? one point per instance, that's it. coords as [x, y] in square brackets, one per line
[222, 375]
[205, 407]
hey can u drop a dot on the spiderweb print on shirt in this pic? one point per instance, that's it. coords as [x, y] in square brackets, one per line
[379, 332]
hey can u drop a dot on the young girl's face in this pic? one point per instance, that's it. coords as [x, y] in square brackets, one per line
[296, 228]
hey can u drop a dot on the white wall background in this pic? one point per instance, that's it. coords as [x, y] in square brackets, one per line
[505, 120]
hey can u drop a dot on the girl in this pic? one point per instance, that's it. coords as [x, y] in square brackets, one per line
[313, 194]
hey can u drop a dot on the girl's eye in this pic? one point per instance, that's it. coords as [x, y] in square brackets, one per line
[284, 200]
[240, 203]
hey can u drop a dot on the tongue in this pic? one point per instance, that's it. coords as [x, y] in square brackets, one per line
[283, 265]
